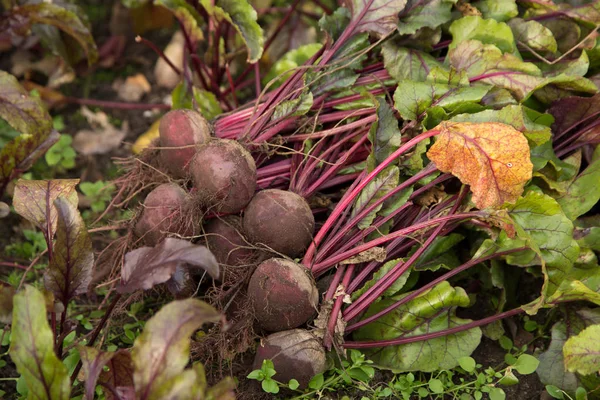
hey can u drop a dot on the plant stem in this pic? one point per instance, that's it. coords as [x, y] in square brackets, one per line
[423, 289]
[432, 335]
[159, 52]
[347, 200]
[96, 332]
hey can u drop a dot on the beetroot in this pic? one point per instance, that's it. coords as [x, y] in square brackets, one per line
[224, 239]
[224, 174]
[281, 220]
[180, 128]
[283, 294]
[162, 214]
[296, 354]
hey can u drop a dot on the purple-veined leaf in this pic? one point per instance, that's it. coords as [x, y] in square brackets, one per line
[64, 18]
[577, 117]
[70, 270]
[32, 348]
[148, 266]
[486, 31]
[404, 63]
[376, 16]
[34, 201]
[582, 352]
[552, 368]
[534, 35]
[27, 115]
[433, 311]
[161, 352]
[376, 189]
[119, 373]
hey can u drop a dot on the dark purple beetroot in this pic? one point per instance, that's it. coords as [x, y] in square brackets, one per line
[180, 128]
[162, 214]
[224, 239]
[224, 174]
[283, 294]
[281, 220]
[296, 354]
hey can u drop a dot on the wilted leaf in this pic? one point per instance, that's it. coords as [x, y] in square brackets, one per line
[148, 266]
[34, 201]
[533, 34]
[421, 14]
[28, 116]
[491, 157]
[582, 352]
[161, 352]
[6, 303]
[32, 348]
[70, 270]
[59, 17]
[430, 312]
[403, 63]
[372, 254]
[376, 16]
[103, 138]
[145, 139]
[486, 31]
[133, 88]
[119, 374]
[93, 362]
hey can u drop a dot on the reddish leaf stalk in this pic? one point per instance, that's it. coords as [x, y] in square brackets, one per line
[337, 307]
[432, 335]
[416, 293]
[353, 194]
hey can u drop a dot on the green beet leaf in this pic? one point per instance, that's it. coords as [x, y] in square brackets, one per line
[385, 181]
[7, 294]
[439, 254]
[584, 192]
[243, 17]
[500, 10]
[294, 108]
[32, 348]
[534, 35]
[551, 370]
[28, 116]
[375, 16]
[424, 14]
[486, 31]
[541, 220]
[580, 284]
[34, 201]
[161, 352]
[203, 101]
[384, 135]
[379, 274]
[582, 352]
[283, 68]
[403, 63]
[433, 311]
[70, 270]
[188, 17]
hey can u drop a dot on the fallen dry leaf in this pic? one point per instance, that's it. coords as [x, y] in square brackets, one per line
[373, 254]
[103, 138]
[51, 97]
[145, 139]
[133, 88]
[57, 71]
[493, 158]
[163, 73]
